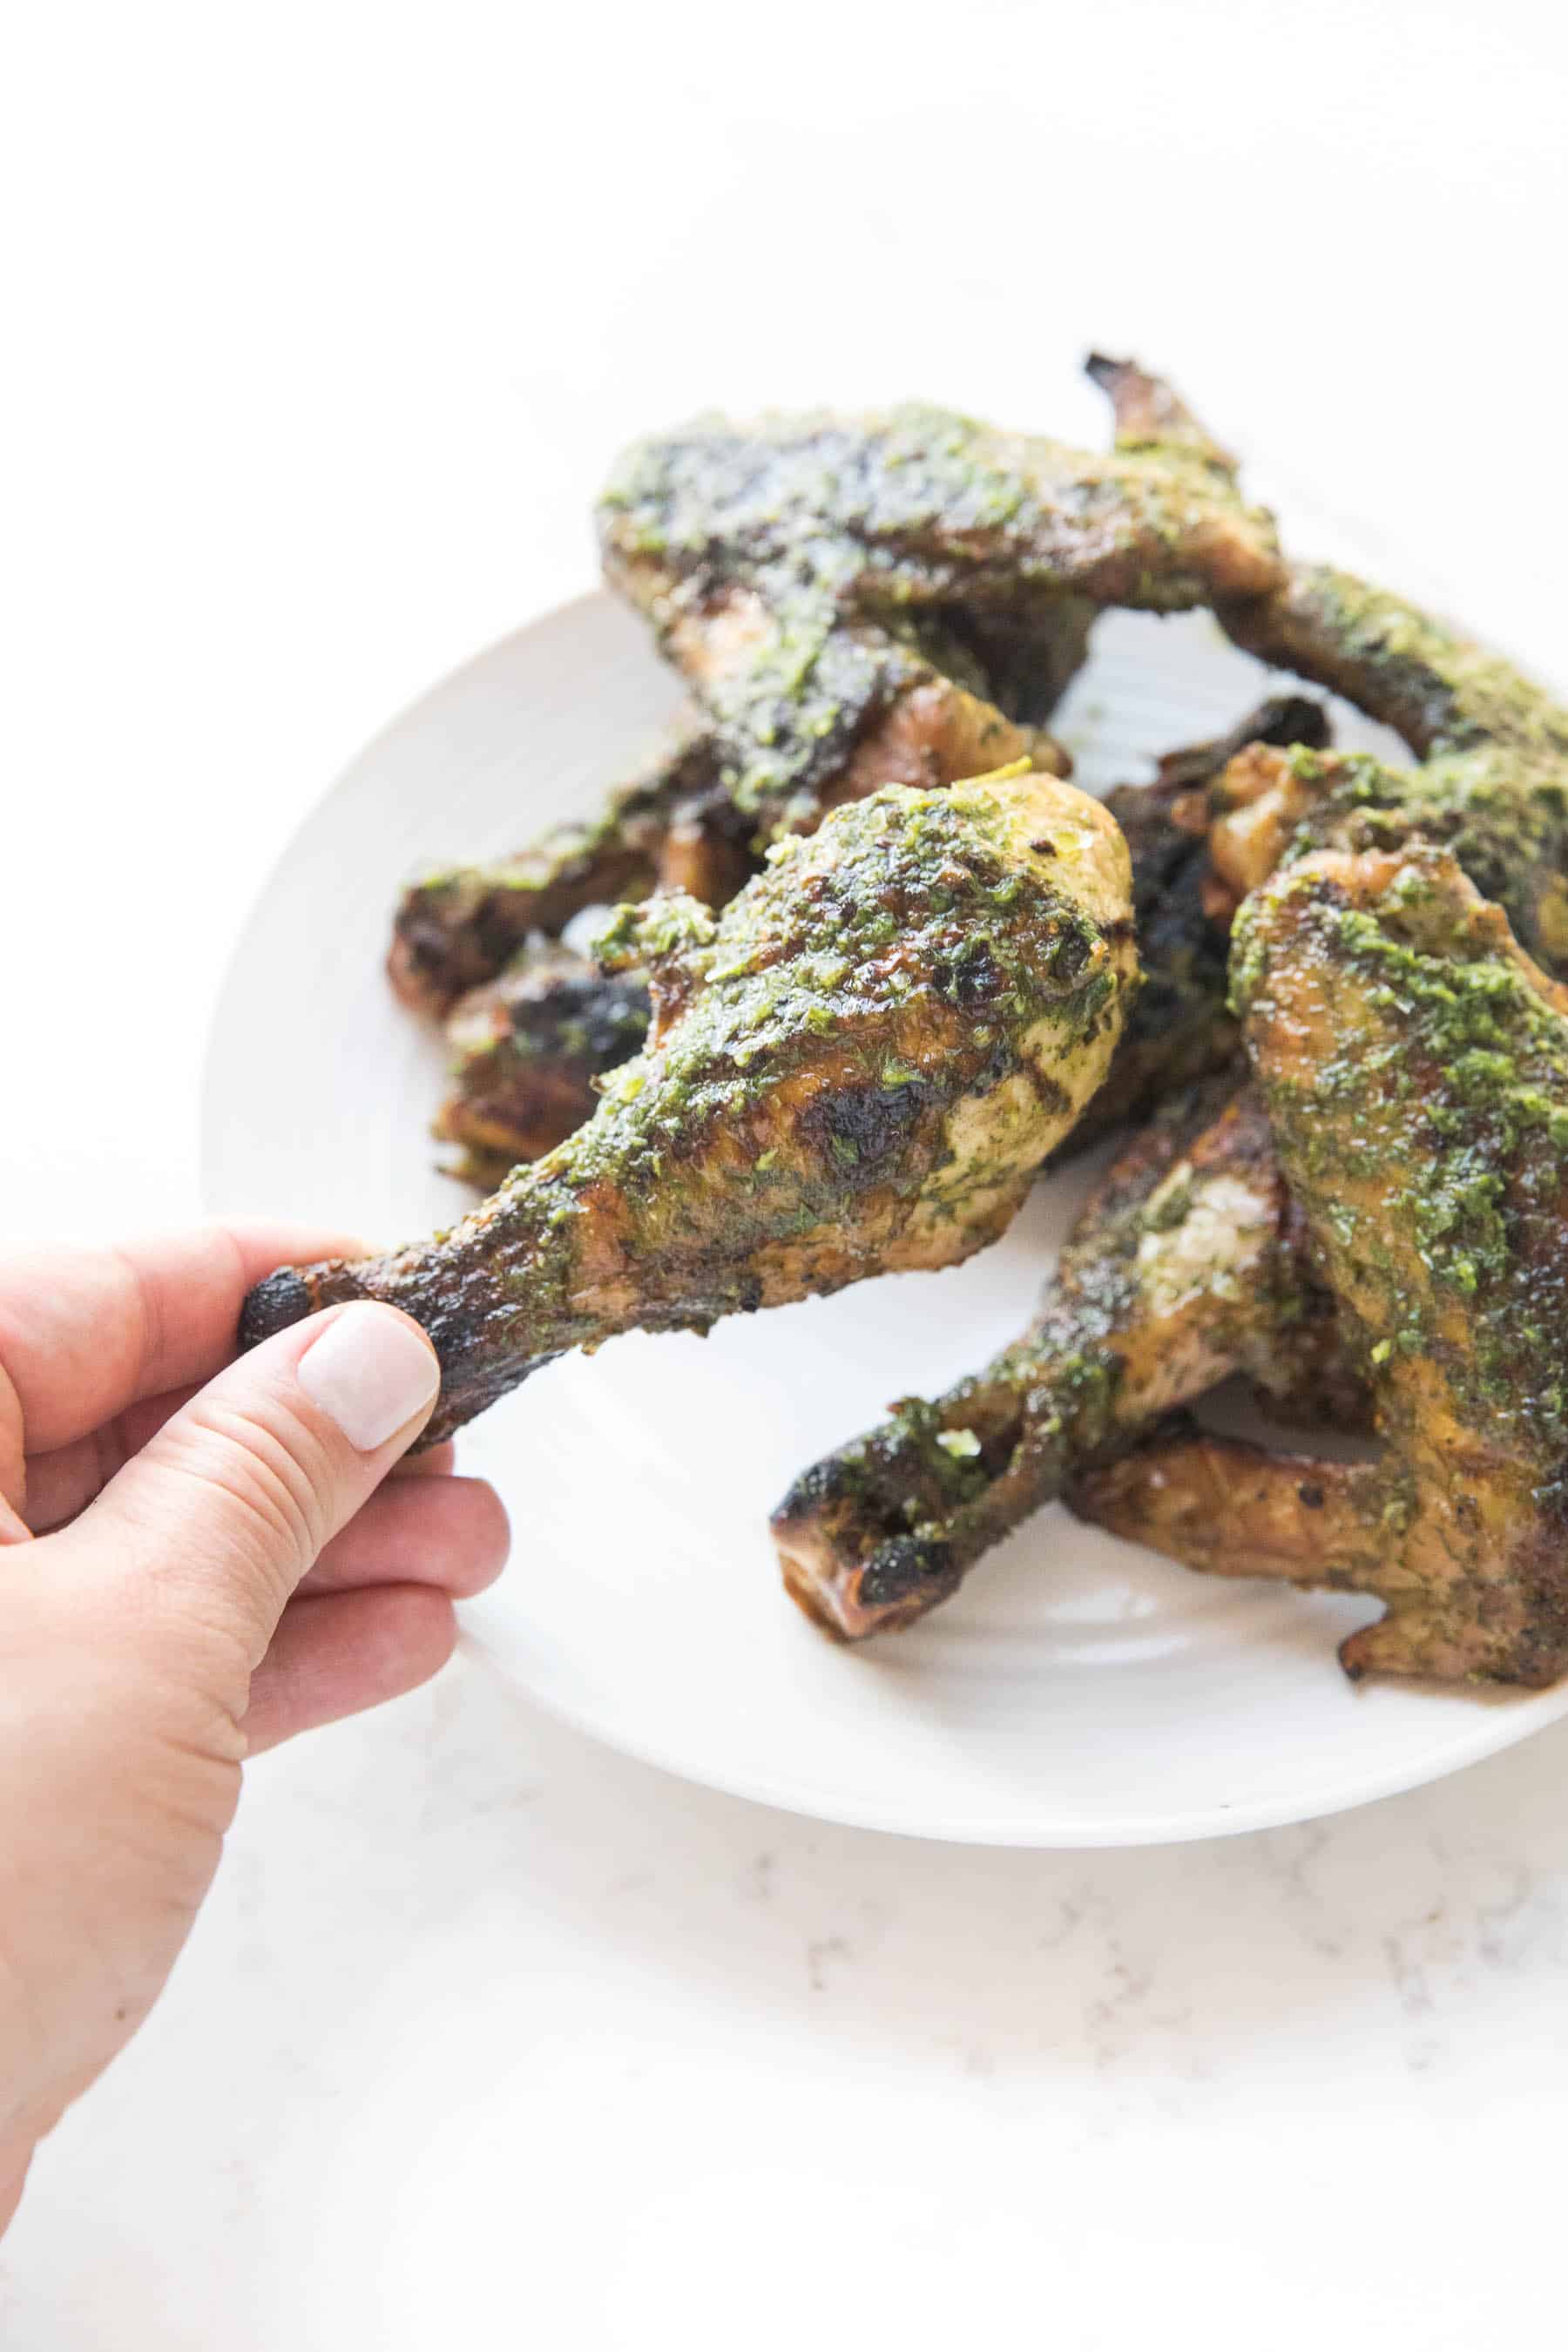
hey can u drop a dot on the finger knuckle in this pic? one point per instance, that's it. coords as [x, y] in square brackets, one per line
[273, 1478]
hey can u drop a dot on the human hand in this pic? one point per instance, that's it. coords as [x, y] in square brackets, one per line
[188, 1573]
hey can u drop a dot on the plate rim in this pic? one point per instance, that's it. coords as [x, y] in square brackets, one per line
[1147, 1830]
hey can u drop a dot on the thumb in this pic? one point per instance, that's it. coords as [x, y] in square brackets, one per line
[204, 1533]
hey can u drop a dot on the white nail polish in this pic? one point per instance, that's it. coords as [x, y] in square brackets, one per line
[369, 1373]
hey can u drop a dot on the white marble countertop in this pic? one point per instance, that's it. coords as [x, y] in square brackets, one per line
[326, 323]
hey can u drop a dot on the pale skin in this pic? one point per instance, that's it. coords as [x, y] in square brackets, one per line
[199, 1558]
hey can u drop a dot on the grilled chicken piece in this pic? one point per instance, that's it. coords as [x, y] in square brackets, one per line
[857, 1069]
[855, 604]
[1414, 1065]
[818, 579]
[527, 1052]
[1187, 1264]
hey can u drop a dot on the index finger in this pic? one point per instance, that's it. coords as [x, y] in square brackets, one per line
[84, 1333]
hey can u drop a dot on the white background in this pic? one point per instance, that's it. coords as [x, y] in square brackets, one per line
[321, 325]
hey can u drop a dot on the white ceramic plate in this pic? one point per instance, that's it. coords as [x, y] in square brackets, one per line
[1078, 1692]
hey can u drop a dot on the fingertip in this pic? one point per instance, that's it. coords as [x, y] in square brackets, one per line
[265, 1245]
[407, 1634]
[416, 1633]
[497, 1523]
[477, 1536]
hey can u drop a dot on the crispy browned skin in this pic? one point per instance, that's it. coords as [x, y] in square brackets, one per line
[1414, 1064]
[857, 1069]
[854, 603]
[1188, 1265]
[527, 1053]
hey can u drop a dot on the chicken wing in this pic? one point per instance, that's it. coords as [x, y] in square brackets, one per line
[1413, 1060]
[854, 603]
[814, 577]
[857, 1067]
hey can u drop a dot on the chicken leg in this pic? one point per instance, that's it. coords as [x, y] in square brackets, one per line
[857, 1068]
[1187, 1264]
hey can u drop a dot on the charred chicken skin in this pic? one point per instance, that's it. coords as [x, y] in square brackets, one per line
[857, 1067]
[813, 577]
[853, 603]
